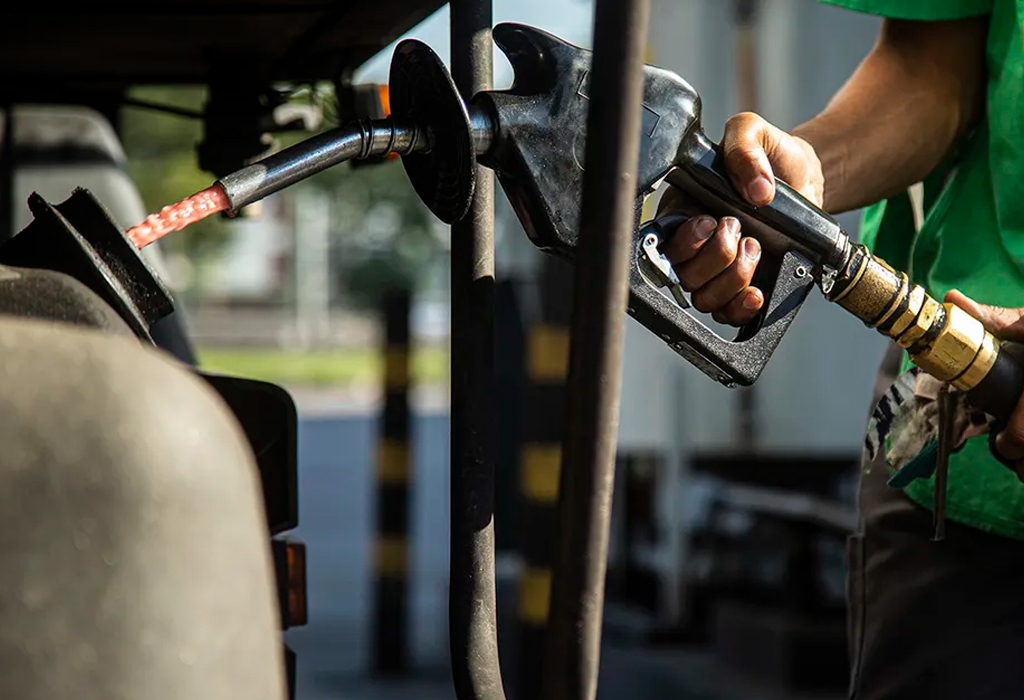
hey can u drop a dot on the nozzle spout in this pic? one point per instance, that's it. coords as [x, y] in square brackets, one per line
[356, 141]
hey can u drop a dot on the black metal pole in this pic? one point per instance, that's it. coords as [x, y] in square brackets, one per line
[290, 669]
[472, 619]
[610, 212]
[393, 471]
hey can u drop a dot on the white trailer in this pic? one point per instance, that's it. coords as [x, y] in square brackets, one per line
[812, 399]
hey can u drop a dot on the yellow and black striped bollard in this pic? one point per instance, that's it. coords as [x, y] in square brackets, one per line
[547, 360]
[391, 550]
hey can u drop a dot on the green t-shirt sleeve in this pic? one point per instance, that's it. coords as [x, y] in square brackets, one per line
[917, 9]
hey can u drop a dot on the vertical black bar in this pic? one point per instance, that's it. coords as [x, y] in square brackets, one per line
[7, 166]
[472, 619]
[290, 668]
[610, 211]
[509, 410]
[393, 463]
[547, 361]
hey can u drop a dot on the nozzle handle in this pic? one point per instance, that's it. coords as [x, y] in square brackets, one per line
[786, 281]
[796, 238]
[788, 222]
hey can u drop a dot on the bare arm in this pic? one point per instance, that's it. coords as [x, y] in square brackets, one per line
[896, 118]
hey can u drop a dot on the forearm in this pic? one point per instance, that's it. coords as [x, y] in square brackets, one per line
[899, 114]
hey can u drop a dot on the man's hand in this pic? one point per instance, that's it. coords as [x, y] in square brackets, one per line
[893, 122]
[1004, 324]
[713, 260]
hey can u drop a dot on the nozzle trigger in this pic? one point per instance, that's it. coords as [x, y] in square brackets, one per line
[660, 269]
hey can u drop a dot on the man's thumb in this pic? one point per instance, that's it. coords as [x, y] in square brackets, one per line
[1003, 323]
[747, 140]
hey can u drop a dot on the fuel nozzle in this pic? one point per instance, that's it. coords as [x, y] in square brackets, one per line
[363, 139]
[437, 136]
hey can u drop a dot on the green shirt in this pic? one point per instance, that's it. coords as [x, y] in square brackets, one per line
[972, 237]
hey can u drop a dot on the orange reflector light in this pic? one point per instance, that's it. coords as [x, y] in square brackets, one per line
[297, 610]
[290, 566]
[385, 106]
[372, 102]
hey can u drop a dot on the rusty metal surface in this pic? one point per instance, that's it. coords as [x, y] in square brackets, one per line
[472, 616]
[181, 42]
[598, 325]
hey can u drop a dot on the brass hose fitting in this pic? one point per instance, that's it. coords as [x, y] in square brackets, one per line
[942, 339]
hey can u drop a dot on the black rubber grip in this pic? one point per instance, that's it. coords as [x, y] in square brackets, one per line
[789, 222]
[998, 393]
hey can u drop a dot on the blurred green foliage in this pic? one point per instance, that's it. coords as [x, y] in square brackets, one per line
[335, 367]
[384, 233]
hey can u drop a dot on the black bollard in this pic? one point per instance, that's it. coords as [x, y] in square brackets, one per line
[391, 555]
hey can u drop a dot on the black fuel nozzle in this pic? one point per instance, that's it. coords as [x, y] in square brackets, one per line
[78, 238]
[533, 135]
[539, 131]
[538, 143]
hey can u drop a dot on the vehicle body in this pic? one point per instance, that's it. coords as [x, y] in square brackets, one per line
[196, 615]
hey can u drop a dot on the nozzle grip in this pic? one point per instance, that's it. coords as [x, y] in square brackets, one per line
[796, 238]
[1000, 391]
[788, 222]
[730, 362]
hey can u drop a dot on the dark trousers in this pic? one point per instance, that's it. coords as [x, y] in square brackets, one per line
[930, 620]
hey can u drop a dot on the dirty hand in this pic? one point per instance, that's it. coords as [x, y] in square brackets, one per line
[714, 262]
[1004, 324]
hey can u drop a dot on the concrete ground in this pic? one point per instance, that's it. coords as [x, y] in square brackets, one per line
[337, 436]
[327, 672]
